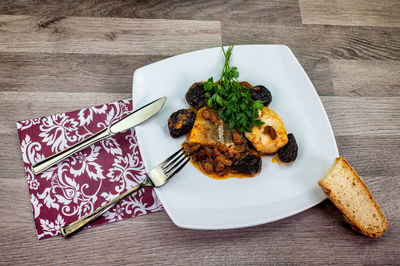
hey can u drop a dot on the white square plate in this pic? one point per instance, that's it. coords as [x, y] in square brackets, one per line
[193, 200]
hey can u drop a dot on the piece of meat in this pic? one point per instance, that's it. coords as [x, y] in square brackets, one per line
[207, 131]
[263, 138]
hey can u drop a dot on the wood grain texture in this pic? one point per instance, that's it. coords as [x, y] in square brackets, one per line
[373, 116]
[11, 156]
[319, 72]
[70, 72]
[105, 35]
[51, 64]
[153, 239]
[320, 48]
[286, 11]
[60, 102]
[315, 41]
[384, 13]
[377, 166]
[366, 77]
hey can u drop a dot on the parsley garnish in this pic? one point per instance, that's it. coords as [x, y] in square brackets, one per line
[234, 102]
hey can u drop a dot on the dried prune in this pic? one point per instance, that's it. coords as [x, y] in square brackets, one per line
[268, 130]
[261, 93]
[288, 153]
[181, 122]
[248, 164]
[195, 96]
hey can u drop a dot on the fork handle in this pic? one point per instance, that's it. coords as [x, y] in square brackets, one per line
[74, 227]
[48, 162]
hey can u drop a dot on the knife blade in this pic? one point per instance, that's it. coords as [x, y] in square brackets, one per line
[138, 116]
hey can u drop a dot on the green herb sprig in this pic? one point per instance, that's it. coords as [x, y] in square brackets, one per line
[234, 102]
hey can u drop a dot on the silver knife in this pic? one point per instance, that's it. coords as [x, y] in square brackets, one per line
[131, 120]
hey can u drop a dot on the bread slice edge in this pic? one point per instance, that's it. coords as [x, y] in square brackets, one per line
[352, 221]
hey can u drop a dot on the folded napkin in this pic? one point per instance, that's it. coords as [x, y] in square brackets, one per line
[91, 177]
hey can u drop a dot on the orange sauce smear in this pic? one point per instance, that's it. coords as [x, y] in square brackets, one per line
[276, 160]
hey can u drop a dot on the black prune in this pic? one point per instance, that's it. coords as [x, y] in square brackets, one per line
[181, 122]
[195, 95]
[288, 153]
[261, 93]
[248, 164]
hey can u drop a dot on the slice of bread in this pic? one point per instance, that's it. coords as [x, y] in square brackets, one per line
[348, 192]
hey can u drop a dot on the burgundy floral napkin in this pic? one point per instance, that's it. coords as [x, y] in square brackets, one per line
[88, 179]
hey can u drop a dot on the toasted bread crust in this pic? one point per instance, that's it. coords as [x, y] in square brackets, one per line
[348, 216]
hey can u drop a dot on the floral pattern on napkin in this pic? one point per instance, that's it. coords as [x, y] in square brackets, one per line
[89, 178]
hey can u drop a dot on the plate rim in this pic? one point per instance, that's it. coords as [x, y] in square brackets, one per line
[255, 223]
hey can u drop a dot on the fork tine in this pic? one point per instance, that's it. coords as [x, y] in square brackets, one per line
[173, 160]
[160, 174]
[175, 163]
[167, 161]
[179, 168]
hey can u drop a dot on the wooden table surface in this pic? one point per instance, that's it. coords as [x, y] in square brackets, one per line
[60, 56]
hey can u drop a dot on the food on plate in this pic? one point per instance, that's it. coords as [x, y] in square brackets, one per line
[288, 153]
[348, 192]
[269, 137]
[217, 149]
[195, 95]
[261, 93]
[248, 164]
[209, 129]
[181, 122]
[232, 127]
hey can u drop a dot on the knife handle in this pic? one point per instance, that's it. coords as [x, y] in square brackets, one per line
[74, 227]
[48, 162]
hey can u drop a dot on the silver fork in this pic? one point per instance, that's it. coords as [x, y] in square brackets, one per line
[157, 177]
